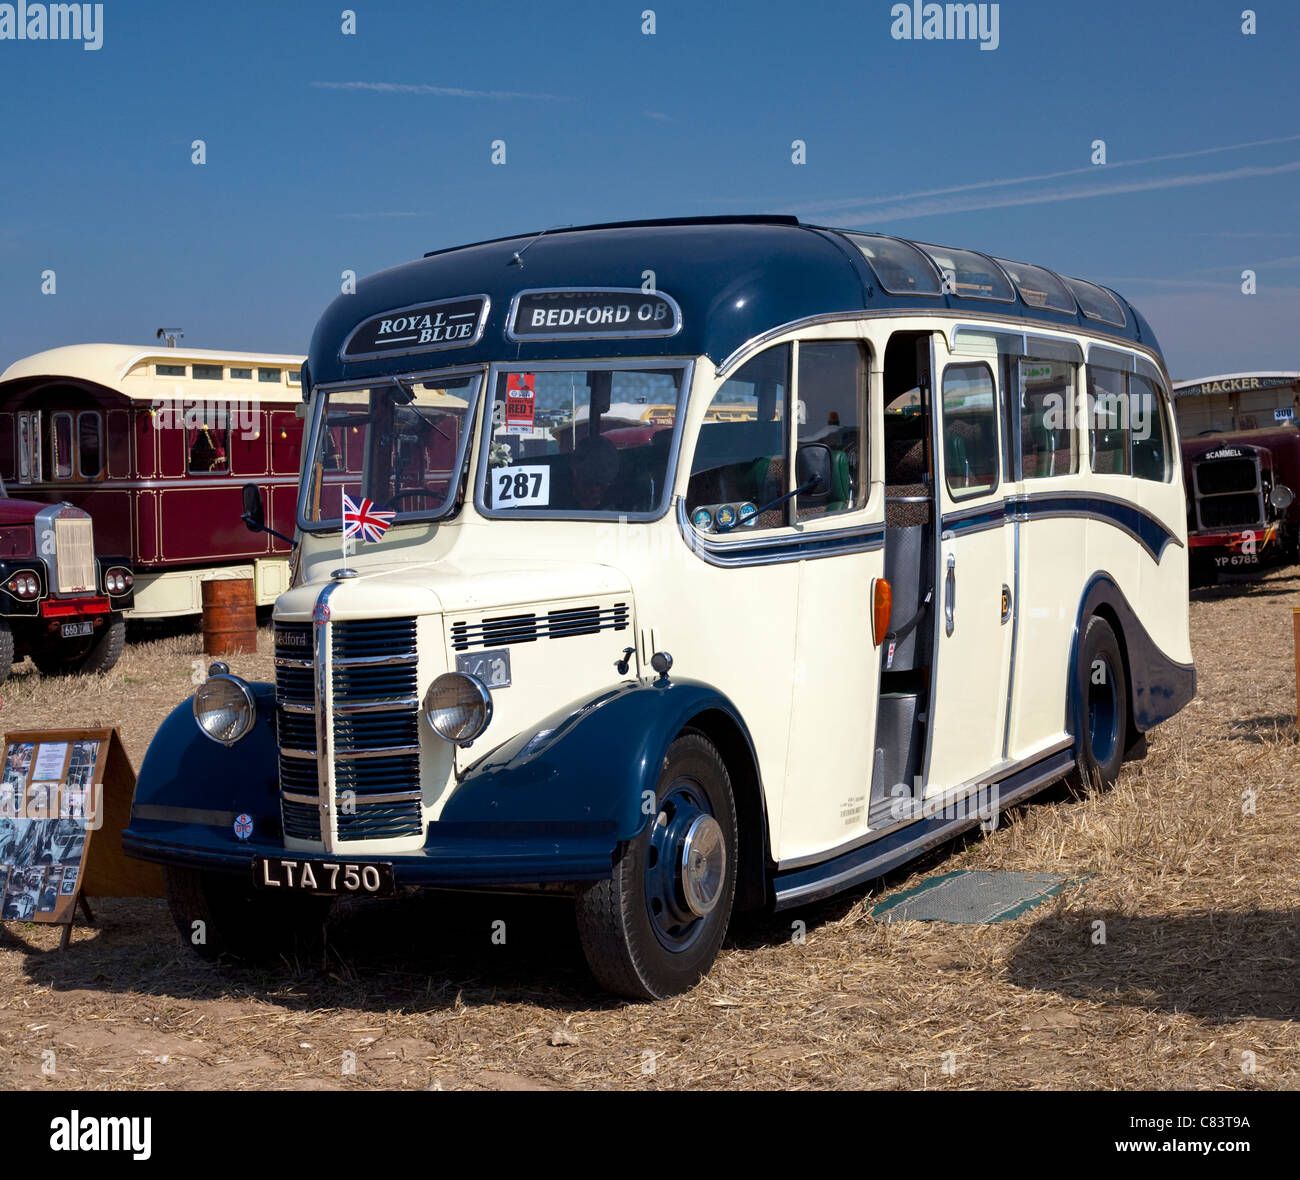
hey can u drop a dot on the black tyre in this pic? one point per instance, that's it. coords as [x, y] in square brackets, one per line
[654, 928]
[221, 914]
[6, 650]
[99, 655]
[1102, 693]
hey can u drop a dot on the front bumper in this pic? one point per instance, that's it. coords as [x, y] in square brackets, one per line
[454, 856]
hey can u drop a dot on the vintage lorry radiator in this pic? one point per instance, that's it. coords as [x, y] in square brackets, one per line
[347, 720]
[1229, 492]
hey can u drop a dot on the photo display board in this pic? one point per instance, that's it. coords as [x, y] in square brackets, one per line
[50, 801]
[62, 791]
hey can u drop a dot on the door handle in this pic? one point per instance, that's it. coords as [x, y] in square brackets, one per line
[950, 594]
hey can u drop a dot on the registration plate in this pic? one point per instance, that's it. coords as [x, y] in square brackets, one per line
[365, 878]
[74, 630]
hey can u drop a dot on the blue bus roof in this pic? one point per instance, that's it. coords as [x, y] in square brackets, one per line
[733, 278]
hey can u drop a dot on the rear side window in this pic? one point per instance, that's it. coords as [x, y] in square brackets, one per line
[1108, 420]
[1048, 444]
[740, 454]
[970, 430]
[1149, 431]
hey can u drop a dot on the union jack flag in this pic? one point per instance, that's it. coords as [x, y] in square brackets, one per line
[371, 522]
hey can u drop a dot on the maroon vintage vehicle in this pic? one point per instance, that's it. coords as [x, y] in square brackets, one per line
[156, 443]
[1241, 469]
[60, 602]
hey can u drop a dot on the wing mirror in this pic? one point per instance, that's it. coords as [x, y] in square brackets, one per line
[812, 471]
[254, 515]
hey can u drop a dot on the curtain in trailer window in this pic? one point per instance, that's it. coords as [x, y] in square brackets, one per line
[208, 448]
[61, 445]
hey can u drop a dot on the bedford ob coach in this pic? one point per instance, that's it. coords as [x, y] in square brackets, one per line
[155, 445]
[1241, 466]
[905, 545]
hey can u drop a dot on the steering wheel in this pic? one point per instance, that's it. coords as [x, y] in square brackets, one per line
[424, 492]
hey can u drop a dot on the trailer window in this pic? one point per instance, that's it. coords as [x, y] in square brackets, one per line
[90, 444]
[209, 450]
[61, 444]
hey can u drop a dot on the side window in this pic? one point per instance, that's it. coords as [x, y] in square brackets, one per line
[1048, 442]
[740, 454]
[62, 447]
[970, 430]
[831, 413]
[90, 445]
[29, 447]
[208, 450]
[1150, 438]
[1108, 414]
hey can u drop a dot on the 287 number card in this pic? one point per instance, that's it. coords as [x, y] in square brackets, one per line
[521, 487]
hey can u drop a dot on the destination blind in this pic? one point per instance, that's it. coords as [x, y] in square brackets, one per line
[577, 315]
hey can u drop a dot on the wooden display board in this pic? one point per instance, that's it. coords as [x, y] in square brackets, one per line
[65, 796]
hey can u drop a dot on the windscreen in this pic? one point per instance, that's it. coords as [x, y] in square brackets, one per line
[401, 444]
[580, 442]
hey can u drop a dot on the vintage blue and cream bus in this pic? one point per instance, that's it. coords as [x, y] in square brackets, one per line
[733, 562]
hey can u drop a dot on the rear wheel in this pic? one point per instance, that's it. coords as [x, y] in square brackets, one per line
[221, 914]
[654, 928]
[99, 655]
[1102, 693]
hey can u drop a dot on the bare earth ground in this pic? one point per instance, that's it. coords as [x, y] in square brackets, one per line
[1190, 862]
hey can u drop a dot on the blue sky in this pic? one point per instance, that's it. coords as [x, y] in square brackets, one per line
[327, 152]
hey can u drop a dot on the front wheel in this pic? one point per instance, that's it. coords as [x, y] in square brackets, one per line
[654, 928]
[222, 914]
[1103, 714]
[99, 655]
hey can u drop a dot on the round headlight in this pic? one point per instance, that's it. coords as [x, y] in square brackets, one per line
[458, 707]
[224, 708]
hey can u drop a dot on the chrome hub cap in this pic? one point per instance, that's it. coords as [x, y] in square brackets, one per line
[703, 864]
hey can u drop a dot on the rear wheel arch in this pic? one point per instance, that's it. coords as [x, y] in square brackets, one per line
[732, 743]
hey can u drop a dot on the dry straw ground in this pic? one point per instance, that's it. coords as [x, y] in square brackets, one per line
[1195, 985]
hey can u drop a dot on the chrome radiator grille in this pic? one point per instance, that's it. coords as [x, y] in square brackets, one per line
[74, 547]
[1229, 492]
[374, 728]
[295, 722]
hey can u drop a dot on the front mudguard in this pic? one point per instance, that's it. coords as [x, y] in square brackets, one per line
[190, 788]
[549, 805]
[594, 763]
